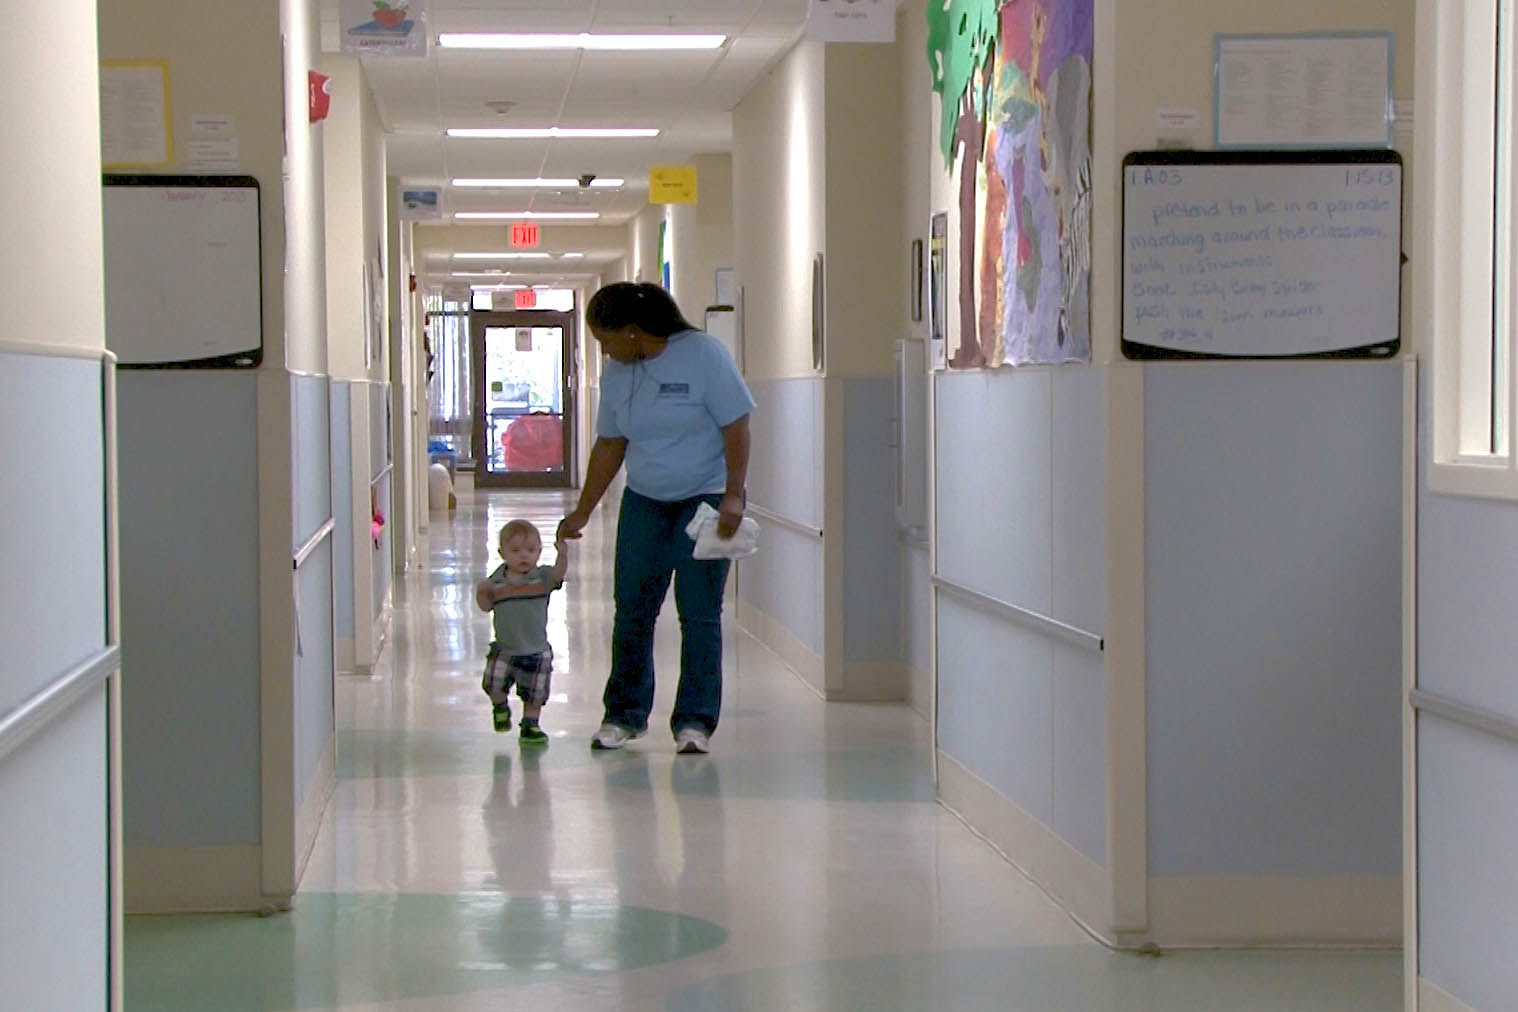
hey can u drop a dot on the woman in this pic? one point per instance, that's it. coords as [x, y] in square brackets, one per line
[675, 410]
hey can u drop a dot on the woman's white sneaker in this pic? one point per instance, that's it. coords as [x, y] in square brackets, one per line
[692, 741]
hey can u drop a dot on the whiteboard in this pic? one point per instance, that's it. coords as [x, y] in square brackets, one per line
[1261, 254]
[183, 270]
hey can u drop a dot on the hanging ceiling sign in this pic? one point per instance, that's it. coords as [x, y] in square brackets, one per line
[384, 27]
[525, 235]
[851, 21]
[672, 184]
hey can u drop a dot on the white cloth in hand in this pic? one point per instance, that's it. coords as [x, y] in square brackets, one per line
[709, 545]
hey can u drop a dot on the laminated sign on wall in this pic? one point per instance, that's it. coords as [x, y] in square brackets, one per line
[384, 27]
[851, 21]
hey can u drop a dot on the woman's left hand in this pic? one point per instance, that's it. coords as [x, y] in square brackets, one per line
[729, 513]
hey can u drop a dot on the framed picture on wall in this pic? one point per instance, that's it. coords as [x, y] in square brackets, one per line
[938, 297]
[917, 280]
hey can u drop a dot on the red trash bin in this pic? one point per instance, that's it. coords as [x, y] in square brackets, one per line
[534, 442]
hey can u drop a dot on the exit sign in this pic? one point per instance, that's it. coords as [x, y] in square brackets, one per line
[524, 236]
[527, 299]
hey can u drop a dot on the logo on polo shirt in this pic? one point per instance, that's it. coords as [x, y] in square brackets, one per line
[674, 391]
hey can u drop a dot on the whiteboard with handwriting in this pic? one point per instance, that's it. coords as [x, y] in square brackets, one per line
[1261, 254]
[183, 270]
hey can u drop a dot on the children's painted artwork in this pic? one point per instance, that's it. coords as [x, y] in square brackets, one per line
[1014, 79]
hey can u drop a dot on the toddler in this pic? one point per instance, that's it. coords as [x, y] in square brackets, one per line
[516, 595]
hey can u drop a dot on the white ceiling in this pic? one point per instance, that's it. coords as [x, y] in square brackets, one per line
[687, 95]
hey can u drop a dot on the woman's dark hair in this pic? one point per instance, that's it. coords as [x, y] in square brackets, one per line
[632, 304]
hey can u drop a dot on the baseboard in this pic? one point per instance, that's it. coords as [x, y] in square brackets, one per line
[919, 692]
[1433, 998]
[343, 653]
[871, 682]
[381, 636]
[1208, 912]
[1076, 883]
[193, 880]
[772, 634]
[308, 819]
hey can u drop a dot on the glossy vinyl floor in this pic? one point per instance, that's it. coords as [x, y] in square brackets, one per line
[803, 865]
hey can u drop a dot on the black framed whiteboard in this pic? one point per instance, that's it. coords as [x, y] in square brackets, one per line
[1262, 254]
[183, 271]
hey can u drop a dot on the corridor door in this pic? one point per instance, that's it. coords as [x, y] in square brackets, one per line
[524, 398]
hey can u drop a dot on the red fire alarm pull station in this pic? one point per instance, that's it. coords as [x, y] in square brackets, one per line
[527, 299]
[524, 236]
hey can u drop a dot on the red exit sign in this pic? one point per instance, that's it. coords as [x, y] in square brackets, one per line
[524, 236]
[527, 299]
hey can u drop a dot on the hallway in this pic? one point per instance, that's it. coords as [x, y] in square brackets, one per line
[803, 865]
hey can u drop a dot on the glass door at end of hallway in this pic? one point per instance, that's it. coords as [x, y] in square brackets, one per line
[524, 398]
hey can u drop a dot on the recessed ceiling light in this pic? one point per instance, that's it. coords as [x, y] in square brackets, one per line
[542, 215]
[501, 256]
[502, 184]
[570, 133]
[584, 40]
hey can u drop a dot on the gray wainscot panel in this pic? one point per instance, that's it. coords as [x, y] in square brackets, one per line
[1273, 517]
[994, 704]
[52, 605]
[342, 509]
[1079, 489]
[994, 484]
[1080, 749]
[871, 567]
[314, 720]
[785, 472]
[1467, 876]
[190, 615]
[311, 428]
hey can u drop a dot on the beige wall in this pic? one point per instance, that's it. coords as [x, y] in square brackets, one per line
[241, 81]
[915, 149]
[702, 235]
[51, 253]
[354, 160]
[778, 224]
[866, 258]
[305, 231]
[643, 244]
[1141, 84]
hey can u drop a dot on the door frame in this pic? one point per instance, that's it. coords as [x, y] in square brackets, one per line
[479, 320]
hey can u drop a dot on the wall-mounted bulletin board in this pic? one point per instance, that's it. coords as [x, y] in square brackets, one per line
[1262, 254]
[183, 271]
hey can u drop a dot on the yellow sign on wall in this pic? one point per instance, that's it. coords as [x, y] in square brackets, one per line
[672, 184]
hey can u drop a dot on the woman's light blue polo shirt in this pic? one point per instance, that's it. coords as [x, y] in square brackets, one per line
[672, 409]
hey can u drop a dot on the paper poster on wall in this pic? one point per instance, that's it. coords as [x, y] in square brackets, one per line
[421, 204]
[1303, 91]
[135, 124]
[384, 27]
[851, 21]
[1014, 81]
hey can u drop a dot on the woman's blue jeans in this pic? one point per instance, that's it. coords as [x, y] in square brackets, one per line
[652, 547]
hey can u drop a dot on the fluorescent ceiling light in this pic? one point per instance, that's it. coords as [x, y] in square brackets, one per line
[481, 274]
[497, 288]
[571, 133]
[541, 215]
[584, 40]
[573, 256]
[501, 256]
[501, 184]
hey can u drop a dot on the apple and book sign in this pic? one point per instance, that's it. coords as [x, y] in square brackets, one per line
[383, 27]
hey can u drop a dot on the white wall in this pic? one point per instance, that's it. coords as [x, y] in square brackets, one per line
[61, 814]
[256, 78]
[779, 151]
[643, 244]
[702, 236]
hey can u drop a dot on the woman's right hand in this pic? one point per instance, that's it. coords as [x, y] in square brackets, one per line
[571, 526]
